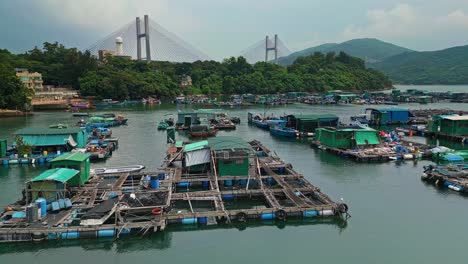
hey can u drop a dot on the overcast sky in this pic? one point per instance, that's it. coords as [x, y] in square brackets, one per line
[222, 28]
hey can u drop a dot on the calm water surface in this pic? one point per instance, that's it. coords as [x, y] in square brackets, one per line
[396, 218]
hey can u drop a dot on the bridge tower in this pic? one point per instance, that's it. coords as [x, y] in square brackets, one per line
[143, 35]
[274, 48]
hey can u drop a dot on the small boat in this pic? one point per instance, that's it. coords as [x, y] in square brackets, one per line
[105, 115]
[80, 114]
[361, 118]
[259, 121]
[202, 131]
[235, 120]
[113, 170]
[169, 120]
[278, 128]
[81, 105]
[59, 126]
[163, 125]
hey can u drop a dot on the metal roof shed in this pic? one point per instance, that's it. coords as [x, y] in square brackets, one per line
[77, 161]
[231, 155]
[50, 184]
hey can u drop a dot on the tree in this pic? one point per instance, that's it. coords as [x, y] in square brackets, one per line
[13, 93]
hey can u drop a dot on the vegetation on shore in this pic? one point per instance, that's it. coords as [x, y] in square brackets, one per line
[119, 78]
[13, 93]
[448, 66]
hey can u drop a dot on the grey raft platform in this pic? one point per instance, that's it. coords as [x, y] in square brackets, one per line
[452, 176]
[141, 203]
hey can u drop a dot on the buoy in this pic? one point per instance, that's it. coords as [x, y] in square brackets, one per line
[156, 211]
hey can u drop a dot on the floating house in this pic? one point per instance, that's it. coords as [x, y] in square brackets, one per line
[197, 156]
[77, 161]
[450, 124]
[309, 123]
[452, 127]
[388, 116]
[53, 140]
[189, 118]
[346, 97]
[348, 138]
[231, 155]
[50, 185]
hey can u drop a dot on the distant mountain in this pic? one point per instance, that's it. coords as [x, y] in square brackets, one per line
[448, 66]
[369, 49]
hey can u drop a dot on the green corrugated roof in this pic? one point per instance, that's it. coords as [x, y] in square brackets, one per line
[366, 137]
[196, 146]
[316, 116]
[221, 143]
[61, 174]
[47, 131]
[46, 140]
[72, 157]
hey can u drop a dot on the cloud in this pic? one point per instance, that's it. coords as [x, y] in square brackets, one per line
[108, 15]
[405, 21]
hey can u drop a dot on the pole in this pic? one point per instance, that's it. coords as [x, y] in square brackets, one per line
[148, 48]
[138, 38]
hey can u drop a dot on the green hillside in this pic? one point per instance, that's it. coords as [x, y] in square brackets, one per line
[368, 49]
[448, 66]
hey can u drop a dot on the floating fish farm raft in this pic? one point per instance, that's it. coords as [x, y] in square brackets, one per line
[364, 144]
[452, 176]
[221, 181]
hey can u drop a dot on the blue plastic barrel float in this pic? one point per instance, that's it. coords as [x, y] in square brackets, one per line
[162, 176]
[43, 205]
[227, 182]
[270, 181]
[202, 220]
[5, 162]
[310, 213]
[228, 197]
[154, 183]
[267, 216]
[183, 184]
[243, 181]
[41, 160]
[205, 184]
[70, 235]
[106, 233]
[189, 221]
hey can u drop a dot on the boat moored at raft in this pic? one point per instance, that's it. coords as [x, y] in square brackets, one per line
[278, 128]
[451, 176]
[202, 131]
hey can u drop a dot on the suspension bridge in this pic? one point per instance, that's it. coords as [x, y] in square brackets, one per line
[162, 45]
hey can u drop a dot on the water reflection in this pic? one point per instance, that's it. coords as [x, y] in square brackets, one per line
[160, 240]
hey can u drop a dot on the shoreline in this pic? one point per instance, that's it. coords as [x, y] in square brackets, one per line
[13, 113]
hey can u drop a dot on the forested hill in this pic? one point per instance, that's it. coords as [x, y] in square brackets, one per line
[448, 66]
[369, 49]
[119, 78]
